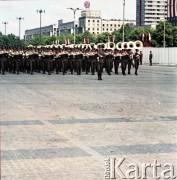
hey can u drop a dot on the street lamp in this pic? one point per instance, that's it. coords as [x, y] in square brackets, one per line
[5, 23]
[20, 18]
[74, 28]
[123, 24]
[164, 33]
[40, 12]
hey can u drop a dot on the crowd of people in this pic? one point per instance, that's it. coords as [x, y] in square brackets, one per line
[73, 59]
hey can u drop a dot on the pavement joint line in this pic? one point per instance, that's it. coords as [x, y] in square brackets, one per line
[76, 142]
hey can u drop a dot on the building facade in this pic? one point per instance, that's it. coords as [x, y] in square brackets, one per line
[67, 28]
[172, 12]
[50, 30]
[150, 12]
[91, 21]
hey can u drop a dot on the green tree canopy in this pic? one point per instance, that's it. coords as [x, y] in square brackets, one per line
[159, 34]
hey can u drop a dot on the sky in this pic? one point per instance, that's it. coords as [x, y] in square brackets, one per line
[55, 10]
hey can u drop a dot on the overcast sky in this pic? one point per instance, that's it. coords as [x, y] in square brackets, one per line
[55, 10]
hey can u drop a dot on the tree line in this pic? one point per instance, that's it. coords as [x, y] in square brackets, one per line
[131, 34]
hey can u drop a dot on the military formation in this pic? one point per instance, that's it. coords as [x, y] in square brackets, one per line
[74, 59]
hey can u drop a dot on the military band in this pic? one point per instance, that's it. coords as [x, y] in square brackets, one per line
[76, 59]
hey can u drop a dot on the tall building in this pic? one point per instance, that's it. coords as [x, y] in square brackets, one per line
[150, 12]
[172, 12]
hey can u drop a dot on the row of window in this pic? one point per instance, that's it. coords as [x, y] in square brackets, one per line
[94, 21]
[102, 29]
[115, 25]
[103, 24]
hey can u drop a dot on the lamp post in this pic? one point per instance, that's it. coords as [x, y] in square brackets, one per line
[123, 25]
[164, 33]
[74, 28]
[5, 23]
[20, 18]
[40, 12]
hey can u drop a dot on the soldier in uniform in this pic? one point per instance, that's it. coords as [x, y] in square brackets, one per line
[136, 59]
[141, 57]
[117, 58]
[100, 62]
[124, 60]
[150, 58]
[130, 60]
[64, 58]
[79, 59]
[87, 59]
[109, 60]
[93, 61]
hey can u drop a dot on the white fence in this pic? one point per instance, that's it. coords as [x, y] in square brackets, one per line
[164, 56]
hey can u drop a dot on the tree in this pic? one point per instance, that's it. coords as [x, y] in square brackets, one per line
[103, 38]
[117, 35]
[44, 40]
[136, 34]
[127, 31]
[159, 34]
[174, 32]
[10, 41]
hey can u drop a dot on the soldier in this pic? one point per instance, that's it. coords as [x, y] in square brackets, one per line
[117, 60]
[72, 59]
[150, 58]
[79, 59]
[64, 58]
[3, 59]
[130, 60]
[124, 60]
[109, 60]
[141, 57]
[136, 59]
[100, 62]
[87, 59]
[93, 61]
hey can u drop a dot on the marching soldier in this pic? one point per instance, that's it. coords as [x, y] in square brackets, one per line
[117, 60]
[79, 58]
[136, 59]
[100, 62]
[87, 59]
[141, 57]
[93, 61]
[130, 60]
[124, 60]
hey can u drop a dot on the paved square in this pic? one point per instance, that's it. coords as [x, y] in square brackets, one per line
[64, 127]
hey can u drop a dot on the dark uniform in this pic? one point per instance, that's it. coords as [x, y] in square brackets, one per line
[79, 59]
[109, 61]
[136, 59]
[130, 61]
[141, 57]
[150, 58]
[93, 61]
[100, 62]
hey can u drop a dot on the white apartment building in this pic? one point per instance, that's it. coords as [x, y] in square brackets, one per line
[91, 21]
[150, 12]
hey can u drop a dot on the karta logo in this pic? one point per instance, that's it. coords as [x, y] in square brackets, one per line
[120, 170]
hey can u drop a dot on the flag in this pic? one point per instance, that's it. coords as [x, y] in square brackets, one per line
[86, 40]
[67, 41]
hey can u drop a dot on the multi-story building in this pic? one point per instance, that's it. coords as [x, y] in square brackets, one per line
[150, 12]
[172, 12]
[91, 21]
[46, 30]
[67, 28]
